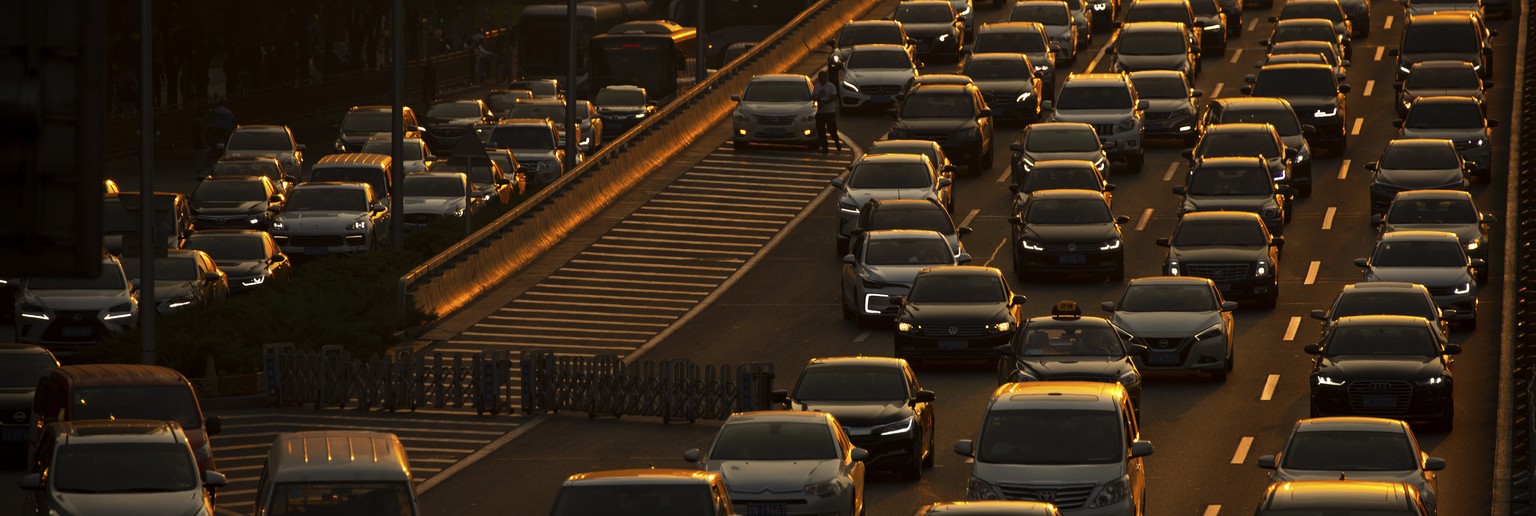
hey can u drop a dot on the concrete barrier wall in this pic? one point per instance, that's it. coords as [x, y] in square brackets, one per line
[459, 274]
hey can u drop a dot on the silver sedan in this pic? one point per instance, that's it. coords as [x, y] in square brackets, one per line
[787, 462]
[1182, 320]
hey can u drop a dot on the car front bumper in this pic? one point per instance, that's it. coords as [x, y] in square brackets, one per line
[793, 132]
[319, 244]
[1465, 305]
[885, 451]
[1397, 399]
[1178, 353]
[870, 96]
[927, 345]
[1088, 259]
[70, 332]
[793, 504]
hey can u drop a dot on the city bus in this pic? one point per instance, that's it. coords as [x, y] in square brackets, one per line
[728, 22]
[656, 55]
[542, 39]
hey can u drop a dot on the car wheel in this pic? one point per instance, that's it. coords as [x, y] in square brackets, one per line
[978, 165]
[929, 458]
[1220, 375]
[848, 314]
[913, 470]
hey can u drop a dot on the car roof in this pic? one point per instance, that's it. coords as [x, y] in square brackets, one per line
[1231, 162]
[348, 185]
[1018, 26]
[1058, 126]
[643, 477]
[1336, 495]
[452, 175]
[997, 56]
[1419, 236]
[1062, 164]
[1418, 142]
[959, 270]
[1303, 43]
[1240, 127]
[1303, 22]
[118, 431]
[1381, 286]
[1378, 320]
[337, 455]
[1439, 195]
[906, 204]
[264, 128]
[621, 87]
[1251, 103]
[229, 232]
[1445, 99]
[262, 179]
[1097, 79]
[856, 360]
[541, 101]
[895, 157]
[1171, 280]
[778, 416]
[935, 79]
[1066, 193]
[881, 234]
[373, 107]
[245, 158]
[990, 507]
[1155, 74]
[108, 375]
[1445, 64]
[1062, 395]
[1350, 424]
[1443, 17]
[1200, 216]
[1296, 66]
[543, 122]
[902, 144]
[1152, 26]
[785, 77]
[883, 47]
[355, 158]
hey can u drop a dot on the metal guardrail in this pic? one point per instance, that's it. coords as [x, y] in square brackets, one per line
[673, 390]
[1522, 408]
[463, 271]
[403, 380]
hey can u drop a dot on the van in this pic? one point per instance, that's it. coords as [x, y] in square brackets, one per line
[1073, 444]
[336, 472]
[122, 391]
[374, 170]
[673, 492]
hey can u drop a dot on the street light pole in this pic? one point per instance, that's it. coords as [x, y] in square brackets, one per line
[570, 86]
[397, 134]
[701, 68]
[147, 305]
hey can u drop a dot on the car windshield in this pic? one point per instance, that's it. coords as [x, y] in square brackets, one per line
[1151, 43]
[1295, 82]
[454, 110]
[1432, 211]
[1078, 341]
[1167, 298]
[555, 112]
[1169, 87]
[957, 288]
[434, 186]
[179, 267]
[1018, 42]
[1458, 38]
[327, 199]
[345, 498]
[1210, 181]
[1349, 451]
[534, 137]
[156, 402]
[1219, 233]
[1045, 13]
[1306, 48]
[881, 59]
[626, 98]
[245, 168]
[409, 151]
[1205, 7]
[774, 440]
[923, 12]
[878, 176]
[111, 278]
[1420, 157]
[1283, 120]
[1167, 13]
[366, 122]
[1457, 78]
[1444, 115]
[1232, 143]
[908, 251]
[373, 177]
[938, 106]
[1060, 178]
[935, 219]
[20, 370]
[1095, 97]
[776, 91]
[1063, 140]
[634, 500]
[230, 190]
[1419, 253]
[1304, 32]
[1068, 211]
[478, 170]
[503, 101]
[869, 34]
[1393, 340]
[1411, 303]
[1051, 437]
[1326, 11]
[123, 468]
[539, 88]
[259, 141]
[998, 69]
[852, 383]
[229, 247]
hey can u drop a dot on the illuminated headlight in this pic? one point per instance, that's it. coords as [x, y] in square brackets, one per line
[978, 489]
[1100, 7]
[1210, 333]
[1185, 128]
[1031, 245]
[251, 282]
[639, 115]
[119, 312]
[179, 302]
[1110, 245]
[1023, 97]
[1002, 326]
[486, 197]
[847, 206]
[1478, 142]
[1473, 245]
[1129, 378]
[907, 327]
[1404, 69]
[254, 221]
[1042, 68]
[360, 224]
[1261, 269]
[279, 224]
[1464, 288]
[1433, 380]
[1324, 380]
[456, 213]
[966, 12]
[837, 58]
[824, 489]
[1325, 114]
[1213, 27]
[1114, 492]
[899, 427]
[1299, 158]
[942, 37]
[1101, 164]
[1173, 268]
[586, 141]
[1477, 67]
[1126, 125]
[34, 312]
[850, 86]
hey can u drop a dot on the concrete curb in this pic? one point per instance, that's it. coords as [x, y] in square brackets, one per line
[1504, 417]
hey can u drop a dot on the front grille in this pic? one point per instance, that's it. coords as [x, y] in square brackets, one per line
[315, 240]
[16, 417]
[775, 120]
[936, 137]
[1160, 115]
[996, 100]
[1442, 291]
[880, 89]
[74, 326]
[420, 218]
[1070, 248]
[1401, 394]
[751, 501]
[953, 331]
[1219, 271]
[1104, 129]
[1163, 344]
[1071, 496]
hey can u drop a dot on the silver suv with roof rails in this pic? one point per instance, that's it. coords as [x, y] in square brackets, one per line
[1109, 103]
[1028, 38]
[535, 142]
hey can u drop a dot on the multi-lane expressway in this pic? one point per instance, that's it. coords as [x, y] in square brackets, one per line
[1207, 435]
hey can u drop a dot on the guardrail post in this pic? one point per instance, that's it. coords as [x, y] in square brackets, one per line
[272, 369]
[489, 382]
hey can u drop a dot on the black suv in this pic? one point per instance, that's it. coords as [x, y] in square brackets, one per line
[448, 120]
[1455, 36]
[955, 116]
[864, 32]
[1410, 164]
[1233, 249]
[933, 25]
[956, 312]
[1314, 93]
[879, 403]
[1109, 103]
[1236, 184]
[1171, 111]
[235, 203]
[1055, 141]
[1010, 84]
[1386, 366]
[1065, 231]
[1458, 119]
[1384, 298]
[1278, 114]
[1250, 140]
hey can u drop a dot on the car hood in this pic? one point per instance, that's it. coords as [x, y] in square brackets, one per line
[322, 219]
[363, 136]
[927, 30]
[956, 314]
[1360, 368]
[1414, 93]
[129, 504]
[1089, 156]
[449, 122]
[1167, 105]
[1420, 179]
[251, 153]
[859, 197]
[1005, 86]
[1456, 135]
[1465, 232]
[934, 124]
[1090, 116]
[1246, 203]
[434, 205]
[897, 76]
[241, 268]
[1427, 276]
[1471, 55]
[167, 289]
[1412, 477]
[1070, 233]
[777, 108]
[857, 413]
[778, 476]
[228, 207]
[1048, 474]
[894, 274]
[1304, 105]
[1106, 369]
[75, 299]
[1165, 324]
[1218, 254]
[535, 154]
[1135, 62]
[620, 110]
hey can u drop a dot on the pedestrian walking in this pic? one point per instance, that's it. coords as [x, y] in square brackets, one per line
[826, 112]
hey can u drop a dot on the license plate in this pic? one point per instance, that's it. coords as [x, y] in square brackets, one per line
[76, 331]
[1380, 401]
[774, 132]
[13, 435]
[952, 344]
[767, 510]
[316, 250]
[1073, 258]
[1163, 358]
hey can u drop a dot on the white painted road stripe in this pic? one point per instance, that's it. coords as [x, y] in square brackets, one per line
[633, 222]
[1107, 45]
[1241, 455]
[1328, 217]
[1006, 175]
[1379, 52]
[577, 312]
[1216, 92]
[682, 245]
[671, 250]
[537, 344]
[589, 304]
[610, 299]
[688, 179]
[1269, 388]
[1358, 122]
[812, 180]
[1145, 216]
[1215, 509]
[558, 286]
[492, 326]
[969, 217]
[1236, 55]
[1290, 329]
[1343, 169]
[732, 198]
[1172, 167]
[706, 219]
[1370, 86]
[1253, 24]
[862, 335]
[1387, 24]
[1312, 273]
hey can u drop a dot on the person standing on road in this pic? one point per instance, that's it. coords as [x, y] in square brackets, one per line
[826, 112]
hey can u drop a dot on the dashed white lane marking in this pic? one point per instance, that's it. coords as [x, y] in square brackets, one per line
[1172, 167]
[1252, 24]
[1145, 216]
[1369, 87]
[1328, 217]
[1379, 52]
[970, 216]
[862, 336]
[1291, 327]
[1216, 92]
[1311, 275]
[1387, 24]
[1355, 131]
[1269, 387]
[1343, 169]
[1006, 175]
[1241, 455]
[1214, 509]
[1236, 55]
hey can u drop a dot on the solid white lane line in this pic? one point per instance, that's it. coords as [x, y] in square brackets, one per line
[1369, 87]
[1311, 275]
[1328, 217]
[711, 213]
[1358, 122]
[813, 188]
[1146, 215]
[710, 219]
[1107, 45]
[810, 180]
[1290, 329]
[970, 217]
[803, 196]
[590, 299]
[1172, 167]
[1006, 175]
[1216, 92]
[1214, 509]
[1343, 169]
[1241, 455]
[862, 336]
[1236, 55]
[1269, 388]
[1387, 24]
[732, 198]
[1379, 52]
[535, 344]
[545, 287]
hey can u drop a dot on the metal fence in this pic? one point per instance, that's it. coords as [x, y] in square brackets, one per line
[673, 390]
[401, 380]
[1522, 408]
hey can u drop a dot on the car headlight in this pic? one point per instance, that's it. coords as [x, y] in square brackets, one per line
[850, 86]
[1100, 7]
[1478, 142]
[906, 327]
[120, 311]
[1129, 378]
[34, 312]
[251, 282]
[1110, 245]
[742, 117]
[1125, 125]
[1473, 245]
[179, 302]
[1271, 212]
[1042, 68]
[1112, 493]
[1463, 288]
[1020, 375]
[279, 224]
[1261, 269]
[1023, 97]
[808, 117]
[847, 206]
[358, 224]
[1031, 245]
[1002, 326]
[966, 12]
[978, 489]
[836, 58]
[1403, 69]
[1213, 27]
[639, 115]
[1325, 114]
[456, 213]
[1433, 380]
[1325, 380]
[1101, 164]
[824, 489]
[1300, 157]
[899, 427]
[942, 37]
[1210, 333]
[254, 221]
[1173, 268]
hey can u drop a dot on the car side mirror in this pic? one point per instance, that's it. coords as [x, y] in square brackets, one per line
[1264, 42]
[1267, 462]
[1246, 90]
[214, 480]
[963, 447]
[1163, 242]
[1179, 190]
[1141, 448]
[1286, 190]
[944, 181]
[502, 181]
[837, 182]
[213, 425]
[1122, 219]
[1343, 88]
[987, 113]
[219, 146]
[832, 42]
[1143, 105]
[1274, 18]
[779, 396]
[1372, 165]
[1308, 129]
[1378, 219]
[1107, 306]
[1047, 105]
[1227, 306]
[1018, 299]
[1013, 188]
[1109, 187]
[964, 258]
[211, 276]
[693, 455]
[376, 207]
[1453, 349]
[302, 147]
[1362, 262]
[1109, 145]
[34, 482]
[1312, 349]
[850, 260]
[1290, 154]
[1250, 78]
[896, 300]
[1195, 94]
[1488, 218]
[275, 198]
[1137, 350]
[1005, 350]
[858, 455]
[963, 230]
[1016, 220]
[1016, 147]
[1188, 154]
[1320, 315]
[924, 396]
[1479, 262]
[1446, 313]
[735, 98]
[1434, 464]
[290, 179]
[949, 168]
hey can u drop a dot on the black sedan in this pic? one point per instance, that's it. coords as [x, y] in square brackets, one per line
[1066, 231]
[880, 405]
[956, 312]
[1068, 346]
[1384, 365]
[1232, 249]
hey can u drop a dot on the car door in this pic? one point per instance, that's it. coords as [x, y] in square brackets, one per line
[851, 469]
[851, 271]
[1135, 468]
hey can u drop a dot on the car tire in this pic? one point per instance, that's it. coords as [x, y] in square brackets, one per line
[913, 470]
[848, 313]
[978, 165]
[929, 458]
[1220, 375]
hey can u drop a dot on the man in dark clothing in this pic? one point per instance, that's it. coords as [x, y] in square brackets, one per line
[826, 112]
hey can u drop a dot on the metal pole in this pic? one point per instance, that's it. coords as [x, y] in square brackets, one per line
[146, 187]
[701, 68]
[397, 134]
[570, 86]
